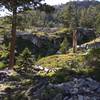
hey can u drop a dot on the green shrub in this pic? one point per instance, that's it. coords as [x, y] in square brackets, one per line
[2, 65]
[24, 61]
[93, 57]
[64, 45]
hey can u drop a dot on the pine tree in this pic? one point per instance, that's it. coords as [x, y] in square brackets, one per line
[24, 61]
[14, 6]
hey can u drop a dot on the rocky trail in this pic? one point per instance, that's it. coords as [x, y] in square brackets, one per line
[83, 88]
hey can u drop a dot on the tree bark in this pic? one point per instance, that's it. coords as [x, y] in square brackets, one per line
[75, 41]
[13, 39]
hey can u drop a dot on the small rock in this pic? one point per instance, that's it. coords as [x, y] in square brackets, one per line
[3, 76]
[87, 90]
[40, 67]
[94, 98]
[58, 97]
[80, 97]
[66, 98]
[71, 99]
[74, 91]
[89, 79]
[46, 69]
[36, 67]
[98, 90]
[86, 98]
[58, 52]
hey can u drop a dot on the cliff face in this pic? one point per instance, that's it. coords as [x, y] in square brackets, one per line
[49, 41]
[85, 35]
[39, 45]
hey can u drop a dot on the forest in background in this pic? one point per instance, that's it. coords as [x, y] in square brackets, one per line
[84, 14]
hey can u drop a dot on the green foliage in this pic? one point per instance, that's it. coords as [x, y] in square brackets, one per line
[2, 65]
[3, 54]
[95, 52]
[98, 23]
[64, 45]
[73, 15]
[27, 19]
[3, 57]
[59, 61]
[93, 57]
[88, 17]
[24, 61]
[69, 16]
[71, 65]
[67, 66]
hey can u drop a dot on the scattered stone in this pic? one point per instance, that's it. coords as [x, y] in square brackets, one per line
[3, 76]
[80, 97]
[77, 89]
[74, 91]
[98, 90]
[58, 52]
[66, 98]
[58, 97]
[70, 99]
[36, 67]
[46, 70]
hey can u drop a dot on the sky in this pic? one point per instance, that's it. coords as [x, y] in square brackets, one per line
[50, 2]
[56, 2]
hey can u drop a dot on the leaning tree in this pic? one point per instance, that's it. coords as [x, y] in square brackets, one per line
[15, 6]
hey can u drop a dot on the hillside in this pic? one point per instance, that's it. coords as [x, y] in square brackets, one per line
[80, 4]
[51, 52]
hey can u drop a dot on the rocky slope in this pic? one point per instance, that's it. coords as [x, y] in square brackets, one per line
[76, 89]
[82, 88]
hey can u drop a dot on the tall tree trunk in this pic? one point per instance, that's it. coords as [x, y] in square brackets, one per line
[74, 41]
[13, 39]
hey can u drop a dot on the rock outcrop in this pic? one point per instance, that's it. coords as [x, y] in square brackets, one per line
[77, 89]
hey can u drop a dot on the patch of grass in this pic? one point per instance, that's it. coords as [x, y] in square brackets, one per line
[51, 34]
[93, 57]
[3, 53]
[40, 34]
[63, 30]
[2, 65]
[59, 60]
[69, 65]
[3, 59]
[3, 86]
